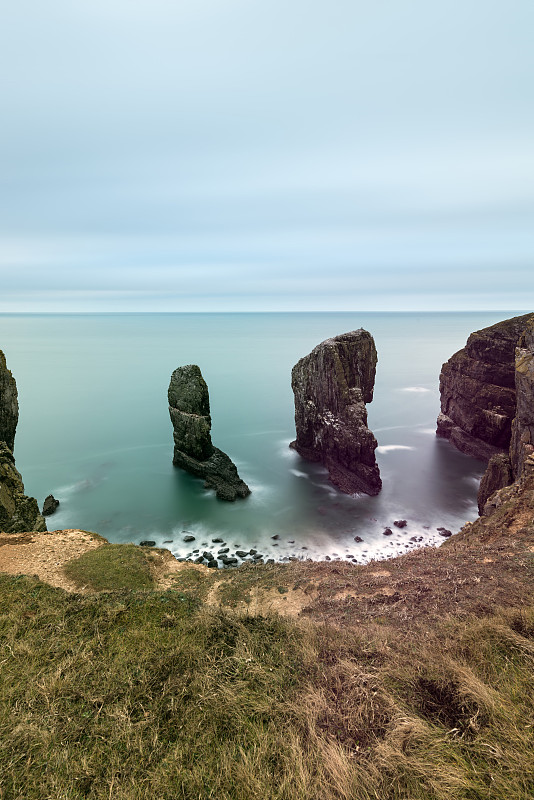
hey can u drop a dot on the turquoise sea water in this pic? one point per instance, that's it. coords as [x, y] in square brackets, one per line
[94, 429]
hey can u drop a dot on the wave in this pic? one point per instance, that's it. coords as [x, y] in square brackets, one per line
[415, 389]
[386, 448]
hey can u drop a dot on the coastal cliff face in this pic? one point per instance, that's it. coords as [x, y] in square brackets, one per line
[514, 469]
[478, 390]
[189, 409]
[17, 511]
[487, 404]
[331, 386]
[9, 406]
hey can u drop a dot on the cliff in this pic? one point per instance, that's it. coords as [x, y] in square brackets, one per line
[478, 393]
[331, 386]
[17, 511]
[517, 466]
[9, 406]
[189, 409]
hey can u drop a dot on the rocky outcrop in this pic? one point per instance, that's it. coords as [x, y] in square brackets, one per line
[331, 386]
[506, 469]
[498, 474]
[522, 441]
[9, 406]
[478, 392]
[189, 408]
[18, 513]
[50, 505]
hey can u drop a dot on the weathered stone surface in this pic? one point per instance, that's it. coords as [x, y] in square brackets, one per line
[478, 394]
[50, 504]
[18, 513]
[498, 475]
[331, 386]
[9, 406]
[522, 440]
[189, 409]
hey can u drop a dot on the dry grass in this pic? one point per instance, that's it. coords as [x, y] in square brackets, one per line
[149, 694]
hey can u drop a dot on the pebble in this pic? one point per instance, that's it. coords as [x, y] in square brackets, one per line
[147, 543]
[241, 553]
[401, 523]
[189, 538]
[223, 551]
[387, 532]
[358, 539]
[218, 540]
[276, 536]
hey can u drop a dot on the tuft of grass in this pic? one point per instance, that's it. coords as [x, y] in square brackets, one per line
[147, 695]
[110, 567]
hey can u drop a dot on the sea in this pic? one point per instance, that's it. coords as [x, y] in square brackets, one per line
[94, 430]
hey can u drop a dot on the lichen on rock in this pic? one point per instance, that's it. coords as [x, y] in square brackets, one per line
[331, 386]
[189, 409]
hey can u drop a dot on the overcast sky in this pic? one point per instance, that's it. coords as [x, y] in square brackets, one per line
[220, 155]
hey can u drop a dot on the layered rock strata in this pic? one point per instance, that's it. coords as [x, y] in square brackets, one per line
[189, 408]
[18, 513]
[506, 469]
[478, 391]
[331, 386]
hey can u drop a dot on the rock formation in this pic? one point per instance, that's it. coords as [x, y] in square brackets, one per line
[50, 505]
[189, 407]
[18, 512]
[478, 395]
[487, 402]
[332, 385]
[9, 406]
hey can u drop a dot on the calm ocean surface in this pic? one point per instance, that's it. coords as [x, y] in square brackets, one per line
[94, 428]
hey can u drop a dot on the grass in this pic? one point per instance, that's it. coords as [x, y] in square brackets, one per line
[143, 694]
[112, 566]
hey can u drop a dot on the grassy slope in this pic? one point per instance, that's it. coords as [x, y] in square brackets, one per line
[133, 694]
[408, 680]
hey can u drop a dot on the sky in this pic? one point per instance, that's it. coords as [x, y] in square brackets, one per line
[232, 155]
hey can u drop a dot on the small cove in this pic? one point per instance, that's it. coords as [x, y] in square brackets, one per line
[94, 430]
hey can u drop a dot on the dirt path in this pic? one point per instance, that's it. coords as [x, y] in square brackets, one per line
[45, 554]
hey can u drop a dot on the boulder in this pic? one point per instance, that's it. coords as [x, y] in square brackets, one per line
[50, 504]
[331, 386]
[189, 409]
[478, 390]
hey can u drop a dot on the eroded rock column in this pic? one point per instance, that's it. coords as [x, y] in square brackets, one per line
[331, 386]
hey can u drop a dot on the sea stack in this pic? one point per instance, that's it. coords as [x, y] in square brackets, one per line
[18, 513]
[331, 386]
[189, 408]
